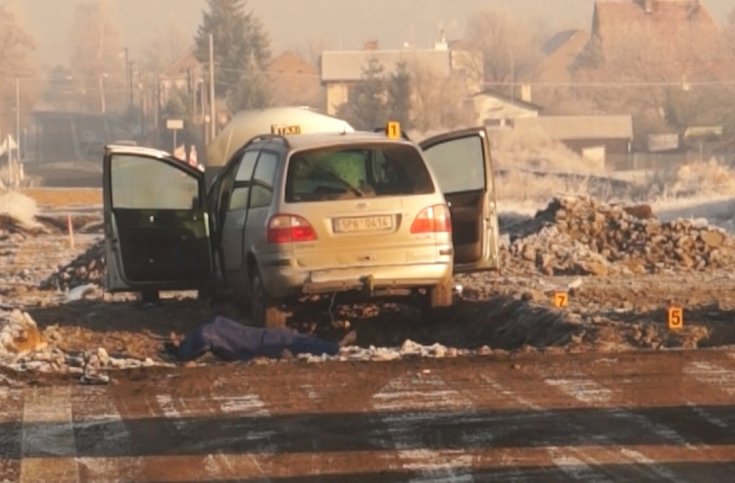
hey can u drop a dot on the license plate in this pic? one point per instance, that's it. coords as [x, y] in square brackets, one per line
[363, 224]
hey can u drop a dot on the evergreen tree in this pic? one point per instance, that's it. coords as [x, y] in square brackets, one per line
[399, 96]
[367, 106]
[241, 52]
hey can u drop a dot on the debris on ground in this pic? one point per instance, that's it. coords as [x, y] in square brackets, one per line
[581, 236]
[23, 348]
[88, 268]
[89, 334]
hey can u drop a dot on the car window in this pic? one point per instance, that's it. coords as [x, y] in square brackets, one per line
[147, 183]
[239, 198]
[263, 178]
[247, 164]
[356, 172]
[459, 164]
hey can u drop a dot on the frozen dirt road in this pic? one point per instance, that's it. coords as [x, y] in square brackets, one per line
[645, 416]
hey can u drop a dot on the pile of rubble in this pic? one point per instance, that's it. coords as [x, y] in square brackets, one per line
[87, 268]
[24, 347]
[580, 236]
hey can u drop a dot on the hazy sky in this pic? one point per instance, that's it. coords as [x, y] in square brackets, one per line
[345, 23]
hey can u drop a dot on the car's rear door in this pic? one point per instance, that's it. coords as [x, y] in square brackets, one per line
[156, 222]
[463, 168]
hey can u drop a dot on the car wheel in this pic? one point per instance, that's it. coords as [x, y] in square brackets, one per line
[150, 297]
[265, 311]
[438, 302]
[440, 296]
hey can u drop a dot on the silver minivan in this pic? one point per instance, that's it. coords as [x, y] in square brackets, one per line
[297, 215]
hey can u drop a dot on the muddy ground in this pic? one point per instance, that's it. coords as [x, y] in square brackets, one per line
[496, 313]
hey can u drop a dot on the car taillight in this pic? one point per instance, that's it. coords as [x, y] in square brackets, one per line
[289, 228]
[434, 219]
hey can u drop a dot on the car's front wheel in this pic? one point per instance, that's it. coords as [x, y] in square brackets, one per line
[265, 311]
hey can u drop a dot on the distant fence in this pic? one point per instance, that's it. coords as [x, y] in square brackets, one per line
[661, 162]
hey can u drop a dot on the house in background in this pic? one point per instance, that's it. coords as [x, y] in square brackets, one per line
[599, 139]
[295, 81]
[553, 75]
[498, 110]
[186, 74]
[343, 70]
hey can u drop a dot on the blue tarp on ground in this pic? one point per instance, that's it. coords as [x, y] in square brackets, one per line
[233, 341]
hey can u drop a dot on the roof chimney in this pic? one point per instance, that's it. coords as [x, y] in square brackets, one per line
[370, 45]
[526, 93]
[442, 44]
[648, 6]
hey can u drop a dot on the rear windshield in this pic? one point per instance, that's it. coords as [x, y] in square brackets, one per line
[356, 172]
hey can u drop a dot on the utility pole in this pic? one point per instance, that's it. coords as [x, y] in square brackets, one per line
[212, 107]
[129, 72]
[17, 117]
[103, 101]
[14, 167]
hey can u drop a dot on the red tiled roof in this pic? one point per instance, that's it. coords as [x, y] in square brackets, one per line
[680, 33]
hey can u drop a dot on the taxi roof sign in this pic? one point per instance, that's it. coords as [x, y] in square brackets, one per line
[285, 129]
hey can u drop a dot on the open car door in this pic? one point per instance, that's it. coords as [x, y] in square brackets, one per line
[463, 167]
[156, 222]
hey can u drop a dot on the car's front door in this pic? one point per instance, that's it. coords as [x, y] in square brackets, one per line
[235, 217]
[156, 222]
[463, 167]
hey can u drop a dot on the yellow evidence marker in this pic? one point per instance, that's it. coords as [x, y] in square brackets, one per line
[393, 130]
[676, 318]
[561, 300]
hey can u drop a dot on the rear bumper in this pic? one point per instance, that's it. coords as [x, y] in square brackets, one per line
[287, 282]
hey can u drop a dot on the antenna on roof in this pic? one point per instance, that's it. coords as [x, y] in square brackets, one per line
[442, 43]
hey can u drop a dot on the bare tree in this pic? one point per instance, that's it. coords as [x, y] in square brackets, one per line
[311, 49]
[438, 102]
[16, 50]
[166, 46]
[730, 29]
[97, 59]
[510, 45]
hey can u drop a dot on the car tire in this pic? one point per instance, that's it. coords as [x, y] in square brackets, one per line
[265, 311]
[440, 296]
[438, 302]
[150, 297]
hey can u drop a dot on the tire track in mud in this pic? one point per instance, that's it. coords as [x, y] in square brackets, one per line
[564, 462]
[410, 403]
[11, 413]
[100, 432]
[539, 420]
[48, 433]
[591, 394]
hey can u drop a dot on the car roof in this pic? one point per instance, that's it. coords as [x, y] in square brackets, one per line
[316, 140]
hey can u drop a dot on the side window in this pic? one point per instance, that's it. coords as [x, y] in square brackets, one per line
[241, 191]
[147, 183]
[263, 179]
[459, 164]
[247, 164]
[239, 198]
